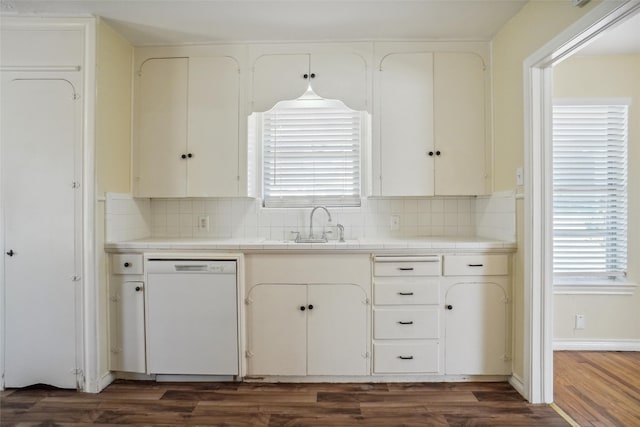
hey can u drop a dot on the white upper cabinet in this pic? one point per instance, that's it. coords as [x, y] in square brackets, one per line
[187, 127]
[406, 124]
[213, 127]
[282, 76]
[431, 132]
[161, 127]
[459, 124]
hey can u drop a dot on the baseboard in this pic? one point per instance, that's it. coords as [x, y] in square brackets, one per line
[518, 384]
[597, 345]
[105, 380]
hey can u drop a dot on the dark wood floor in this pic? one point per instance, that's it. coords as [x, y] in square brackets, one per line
[598, 388]
[257, 404]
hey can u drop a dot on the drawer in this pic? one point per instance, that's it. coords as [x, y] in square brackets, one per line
[476, 265]
[407, 266]
[409, 291]
[126, 264]
[405, 358]
[406, 323]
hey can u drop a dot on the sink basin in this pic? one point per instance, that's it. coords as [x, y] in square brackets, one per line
[325, 240]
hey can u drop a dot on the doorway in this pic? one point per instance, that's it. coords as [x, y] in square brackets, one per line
[538, 191]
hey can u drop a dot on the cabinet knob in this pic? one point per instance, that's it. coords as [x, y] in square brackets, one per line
[305, 76]
[11, 252]
[313, 75]
[127, 264]
[430, 153]
[184, 156]
[303, 308]
[438, 153]
[449, 307]
[138, 288]
[310, 306]
[189, 155]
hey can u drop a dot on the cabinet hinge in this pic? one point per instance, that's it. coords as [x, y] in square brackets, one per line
[366, 355]
[75, 184]
[76, 96]
[506, 357]
[367, 301]
[115, 350]
[114, 298]
[506, 300]
[248, 301]
[248, 354]
[75, 278]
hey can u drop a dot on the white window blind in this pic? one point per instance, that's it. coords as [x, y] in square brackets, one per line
[311, 154]
[590, 190]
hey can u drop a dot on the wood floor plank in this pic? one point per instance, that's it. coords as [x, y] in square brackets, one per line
[277, 404]
[598, 388]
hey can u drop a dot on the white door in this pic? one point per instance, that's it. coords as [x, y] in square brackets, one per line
[277, 330]
[161, 128]
[340, 76]
[278, 78]
[40, 144]
[476, 329]
[336, 330]
[127, 336]
[214, 99]
[406, 125]
[460, 122]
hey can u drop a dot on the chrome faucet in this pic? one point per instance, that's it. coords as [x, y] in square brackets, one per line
[311, 236]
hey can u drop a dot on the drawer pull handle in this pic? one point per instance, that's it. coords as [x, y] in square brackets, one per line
[405, 293]
[410, 322]
[475, 265]
[405, 268]
[405, 357]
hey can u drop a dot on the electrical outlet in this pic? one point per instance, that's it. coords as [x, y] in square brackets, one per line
[395, 222]
[581, 321]
[203, 222]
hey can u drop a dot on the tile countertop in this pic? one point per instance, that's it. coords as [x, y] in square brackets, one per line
[440, 244]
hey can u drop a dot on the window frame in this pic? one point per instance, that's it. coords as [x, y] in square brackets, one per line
[595, 282]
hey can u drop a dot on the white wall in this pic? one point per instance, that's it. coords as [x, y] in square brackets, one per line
[537, 23]
[113, 154]
[608, 317]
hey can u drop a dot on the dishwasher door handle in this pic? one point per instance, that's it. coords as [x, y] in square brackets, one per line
[191, 267]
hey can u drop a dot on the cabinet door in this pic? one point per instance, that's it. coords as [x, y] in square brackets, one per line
[476, 328]
[459, 124]
[277, 330]
[406, 124]
[214, 85]
[340, 76]
[162, 128]
[337, 330]
[127, 325]
[278, 77]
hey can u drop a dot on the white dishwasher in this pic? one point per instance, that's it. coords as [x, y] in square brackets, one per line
[191, 316]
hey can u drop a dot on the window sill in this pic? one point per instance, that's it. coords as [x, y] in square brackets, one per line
[587, 286]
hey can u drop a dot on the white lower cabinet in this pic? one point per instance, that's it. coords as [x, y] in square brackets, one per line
[406, 315]
[299, 329]
[477, 315]
[126, 314]
[307, 315]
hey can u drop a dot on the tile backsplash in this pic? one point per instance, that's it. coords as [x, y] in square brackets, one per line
[244, 218]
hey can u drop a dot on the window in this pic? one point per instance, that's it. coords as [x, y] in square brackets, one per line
[311, 153]
[590, 190]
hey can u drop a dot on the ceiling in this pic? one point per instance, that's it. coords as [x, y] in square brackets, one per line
[157, 22]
